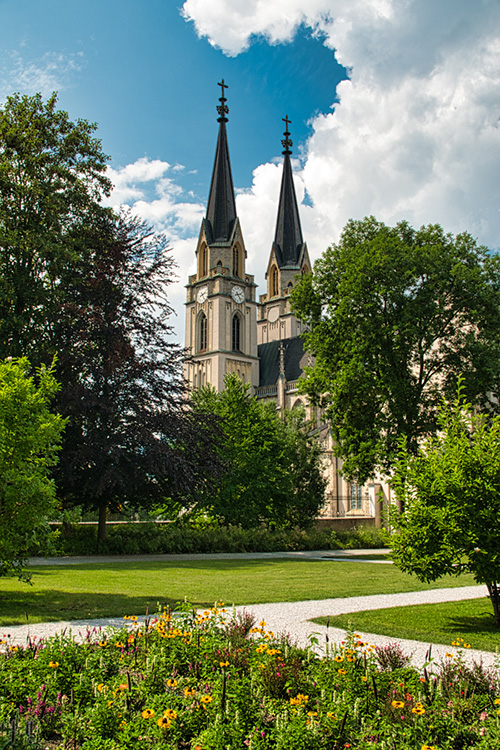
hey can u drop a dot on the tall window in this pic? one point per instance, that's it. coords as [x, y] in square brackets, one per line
[203, 332]
[274, 282]
[204, 261]
[356, 496]
[236, 333]
[236, 261]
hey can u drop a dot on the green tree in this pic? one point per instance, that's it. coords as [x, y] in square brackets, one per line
[52, 178]
[450, 496]
[272, 465]
[29, 441]
[395, 315]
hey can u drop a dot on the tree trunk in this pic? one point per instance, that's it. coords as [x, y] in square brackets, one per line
[101, 525]
[494, 593]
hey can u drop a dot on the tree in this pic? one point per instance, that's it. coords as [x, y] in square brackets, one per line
[450, 495]
[272, 465]
[395, 316]
[52, 178]
[130, 435]
[29, 441]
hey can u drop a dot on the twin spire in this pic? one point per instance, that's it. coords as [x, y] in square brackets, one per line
[221, 209]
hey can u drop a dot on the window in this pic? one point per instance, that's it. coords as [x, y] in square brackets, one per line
[203, 332]
[236, 261]
[274, 282]
[204, 261]
[236, 333]
[356, 497]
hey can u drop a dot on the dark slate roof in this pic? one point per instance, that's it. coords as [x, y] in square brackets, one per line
[269, 360]
[221, 210]
[288, 240]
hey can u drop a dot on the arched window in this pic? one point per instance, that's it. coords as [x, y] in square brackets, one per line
[204, 261]
[236, 333]
[274, 282]
[236, 261]
[203, 332]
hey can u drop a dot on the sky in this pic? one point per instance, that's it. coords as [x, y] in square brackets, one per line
[395, 108]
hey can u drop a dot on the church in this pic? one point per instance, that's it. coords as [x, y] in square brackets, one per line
[229, 330]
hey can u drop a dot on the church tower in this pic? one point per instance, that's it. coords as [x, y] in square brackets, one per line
[288, 258]
[221, 318]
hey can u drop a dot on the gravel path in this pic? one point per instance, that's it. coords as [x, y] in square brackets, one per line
[293, 618]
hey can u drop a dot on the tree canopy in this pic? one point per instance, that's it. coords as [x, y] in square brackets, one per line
[271, 465]
[52, 178]
[130, 435]
[29, 441]
[450, 496]
[395, 315]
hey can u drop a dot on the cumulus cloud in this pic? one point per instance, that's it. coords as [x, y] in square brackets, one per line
[415, 131]
[148, 188]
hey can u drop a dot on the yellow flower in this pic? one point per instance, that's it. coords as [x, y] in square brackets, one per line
[339, 658]
[119, 644]
[330, 715]
[497, 701]
[312, 713]
[103, 644]
[206, 699]
[299, 699]
[53, 664]
[148, 713]
[223, 663]
[450, 656]
[262, 623]
[163, 722]
[364, 678]
[420, 710]
[188, 692]
[466, 645]
[170, 714]
[133, 618]
[397, 704]
[342, 671]
[171, 683]
[100, 687]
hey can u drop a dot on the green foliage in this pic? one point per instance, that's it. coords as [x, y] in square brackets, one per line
[272, 465]
[450, 496]
[179, 538]
[52, 177]
[29, 438]
[395, 315]
[183, 681]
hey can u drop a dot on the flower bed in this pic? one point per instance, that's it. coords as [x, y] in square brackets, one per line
[211, 682]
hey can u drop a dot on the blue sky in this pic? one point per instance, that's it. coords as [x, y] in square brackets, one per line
[395, 107]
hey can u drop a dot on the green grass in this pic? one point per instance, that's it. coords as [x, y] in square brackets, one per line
[471, 619]
[91, 590]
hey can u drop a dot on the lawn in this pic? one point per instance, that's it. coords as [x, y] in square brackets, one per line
[91, 590]
[471, 619]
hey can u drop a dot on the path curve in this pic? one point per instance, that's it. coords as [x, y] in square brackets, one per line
[294, 618]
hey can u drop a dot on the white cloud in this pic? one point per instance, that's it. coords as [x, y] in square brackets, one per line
[52, 71]
[415, 133]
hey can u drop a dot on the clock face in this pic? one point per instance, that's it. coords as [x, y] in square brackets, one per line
[237, 294]
[202, 294]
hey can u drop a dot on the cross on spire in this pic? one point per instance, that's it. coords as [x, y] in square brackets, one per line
[287, 143]
[222, 108]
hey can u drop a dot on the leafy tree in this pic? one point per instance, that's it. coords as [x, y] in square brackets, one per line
[52, 177]
[130, 436]
[272, 465]
[395, 315]
[29, 438]
[450, 494]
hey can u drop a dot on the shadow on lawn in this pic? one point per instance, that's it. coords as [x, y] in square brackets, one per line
[484, 623]
[21, 608]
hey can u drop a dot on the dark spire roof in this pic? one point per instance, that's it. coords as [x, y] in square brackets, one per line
[288, 240]
[221, 209]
